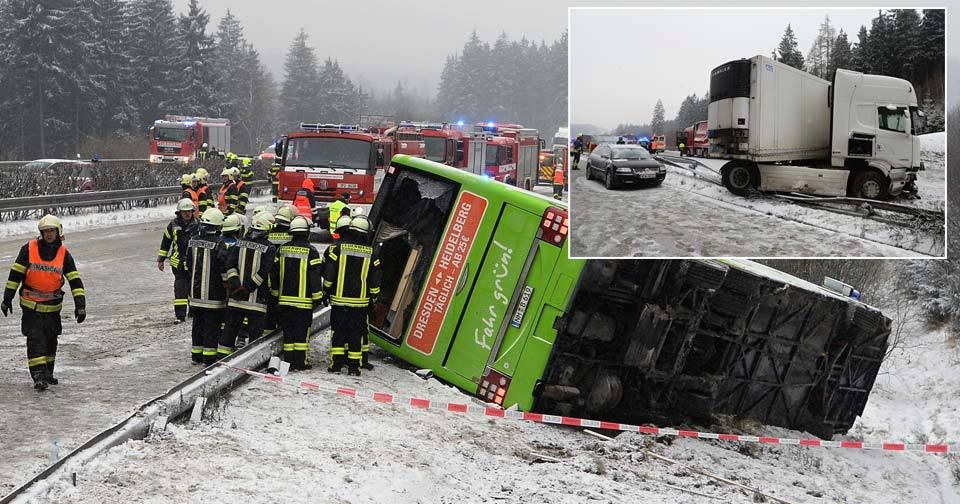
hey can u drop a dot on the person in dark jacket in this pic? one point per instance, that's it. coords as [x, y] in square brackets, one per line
[297, 285]
[173, 247]
[206, 264]
[41, 267]
[249, 266]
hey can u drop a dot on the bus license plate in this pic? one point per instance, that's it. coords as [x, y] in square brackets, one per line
[522, 307]
[646, 174]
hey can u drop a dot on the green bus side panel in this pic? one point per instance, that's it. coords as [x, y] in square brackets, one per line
[496, 282]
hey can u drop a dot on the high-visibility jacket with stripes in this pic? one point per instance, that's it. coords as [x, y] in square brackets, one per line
[41, 268]
[279, 236]
[204, 198]
[249, 264]
[173, 245]
[243, 197]
[191, 194]
[227, 198]
[206, 262]
[297, 278]
[246, 173]
[275, 174]
[351, 275]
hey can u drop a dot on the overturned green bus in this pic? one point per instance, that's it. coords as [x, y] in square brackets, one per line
[478, 287]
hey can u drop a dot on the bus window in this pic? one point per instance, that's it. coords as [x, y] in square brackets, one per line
[408, 226]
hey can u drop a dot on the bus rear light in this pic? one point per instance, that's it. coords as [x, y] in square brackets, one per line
[555, 226]
[493, 387]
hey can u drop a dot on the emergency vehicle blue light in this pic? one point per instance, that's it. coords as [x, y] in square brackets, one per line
[490, 124]
[460, 123]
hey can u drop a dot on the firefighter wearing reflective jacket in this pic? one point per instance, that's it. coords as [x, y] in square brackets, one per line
[246, 169]
[336, 211]
[243, 191]
[204, 197]
[304, 200]
[227, 196]
[249, 266]
[351, 284]
[275, 180]
[40, 267]
[297, 285]
[206, 265]
[173, 247]
[280, 233]
[192, 191]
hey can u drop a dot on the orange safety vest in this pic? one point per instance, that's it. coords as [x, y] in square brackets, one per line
[44, 279]
[302, 203]
[194, 195]
[222, 197]
[558, 176]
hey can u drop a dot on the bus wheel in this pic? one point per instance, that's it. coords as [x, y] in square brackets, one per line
[740, 177]
[870, 184]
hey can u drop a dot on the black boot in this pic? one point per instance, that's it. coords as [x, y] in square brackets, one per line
[40, 383]
[335, 368]
[367, 366]
[50, 379]
[353, 371]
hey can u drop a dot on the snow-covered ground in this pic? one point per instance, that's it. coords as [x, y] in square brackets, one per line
[269, 442]
[691, 216]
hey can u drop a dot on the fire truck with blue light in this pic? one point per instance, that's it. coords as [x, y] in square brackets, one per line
[178, 138]
[338, 158]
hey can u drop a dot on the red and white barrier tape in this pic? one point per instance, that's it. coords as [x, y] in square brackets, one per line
[496, 412]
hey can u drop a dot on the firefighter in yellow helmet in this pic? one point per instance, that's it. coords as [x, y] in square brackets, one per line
[351, 284]
[297, 285]
[41, 267]
[173, 247]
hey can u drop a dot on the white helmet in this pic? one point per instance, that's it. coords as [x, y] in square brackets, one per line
[50, 222]
[212, 217]
[359, 224]
[186, 205]
[227, 172]
[231, 223]
[342, 223]
[262, 222]
[299, 224]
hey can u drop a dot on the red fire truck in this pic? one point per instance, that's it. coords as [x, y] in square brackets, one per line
[179, 138]
[405, 138]
[511, 153]
[696, 140]
[339, 158]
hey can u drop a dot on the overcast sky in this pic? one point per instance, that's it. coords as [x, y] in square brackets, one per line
[622, 61]
[379, 42]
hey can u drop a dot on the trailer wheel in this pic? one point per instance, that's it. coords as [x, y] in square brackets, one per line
[871, 184]
[740, 177]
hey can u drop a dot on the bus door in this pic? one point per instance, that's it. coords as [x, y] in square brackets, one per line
[486, 331]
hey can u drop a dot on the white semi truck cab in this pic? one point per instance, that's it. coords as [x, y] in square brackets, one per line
[786, 130]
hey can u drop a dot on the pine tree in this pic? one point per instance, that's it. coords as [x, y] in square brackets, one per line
[788, 50]
[820, 58]
[155, 54]
[229, 50]
[198, 74]
[299, 98]
[338, 98]
[841, 57]
[932, 51]
[858, 53]
[657, 123]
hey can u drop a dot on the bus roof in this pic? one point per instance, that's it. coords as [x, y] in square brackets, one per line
[516, 196]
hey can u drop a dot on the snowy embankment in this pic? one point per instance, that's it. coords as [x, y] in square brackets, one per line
[270, 442]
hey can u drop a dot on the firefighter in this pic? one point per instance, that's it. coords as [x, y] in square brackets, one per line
[558, 182]
[190, 183]
[683, 149]
[202, 154]
[204, 196]
[577, 149]
[336, 209]
[231, 160]
[297, 285]
[249, 266]
[173, 246]
[304, 200]
[227, 197]
[206, 258]
[41, 266]
[243, 191]
[275, 179]
[621, 141]
[232, 230]
[351, 284]
[246, 169]
[280, 233]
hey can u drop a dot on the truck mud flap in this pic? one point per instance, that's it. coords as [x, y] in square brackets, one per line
[675, 341]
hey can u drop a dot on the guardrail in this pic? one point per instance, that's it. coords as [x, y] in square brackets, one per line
[80, 161]
[99, 198]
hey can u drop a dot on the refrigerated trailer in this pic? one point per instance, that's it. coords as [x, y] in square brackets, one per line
[786, 130]
[478, 287]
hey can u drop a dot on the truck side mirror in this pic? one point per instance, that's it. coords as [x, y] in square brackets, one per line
[278, 149]
[543, 143]
[892, 108]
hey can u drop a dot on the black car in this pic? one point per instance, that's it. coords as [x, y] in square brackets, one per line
[624, 164]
